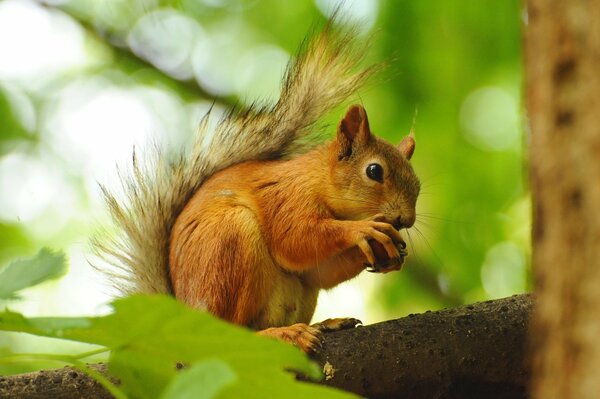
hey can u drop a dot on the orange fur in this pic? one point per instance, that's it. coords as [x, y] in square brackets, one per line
[253, 241]
[258, 240]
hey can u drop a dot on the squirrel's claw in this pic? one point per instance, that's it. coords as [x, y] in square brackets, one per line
[390, 264]
[336, 324]
[371, 268]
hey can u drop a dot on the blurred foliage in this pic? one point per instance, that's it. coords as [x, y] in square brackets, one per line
[457, 62]
[148, 336]
[20, 274]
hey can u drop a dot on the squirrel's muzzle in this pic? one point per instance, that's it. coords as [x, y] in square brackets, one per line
[404, 221]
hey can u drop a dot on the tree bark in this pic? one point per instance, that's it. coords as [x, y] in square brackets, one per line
[563, 94]
[64, 383]
[470, 351]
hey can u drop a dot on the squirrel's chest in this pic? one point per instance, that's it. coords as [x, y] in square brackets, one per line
[289, 301]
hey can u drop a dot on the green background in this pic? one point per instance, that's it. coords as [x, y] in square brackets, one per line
[458, 63]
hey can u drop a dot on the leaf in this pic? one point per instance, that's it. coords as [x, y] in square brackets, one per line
[203, 380]
[149, 335]
[20, 274]
[54, 327]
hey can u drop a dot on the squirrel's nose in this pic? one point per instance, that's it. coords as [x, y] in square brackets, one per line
[404, 221]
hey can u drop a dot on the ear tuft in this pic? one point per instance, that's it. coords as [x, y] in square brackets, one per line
[353, 130]
[407, 146]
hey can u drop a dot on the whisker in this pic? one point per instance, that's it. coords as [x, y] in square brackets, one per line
[433, 179]
[435, 217]
[424, 223]
[427, 184]
[437, 257]
[426, 193]
[412, 245]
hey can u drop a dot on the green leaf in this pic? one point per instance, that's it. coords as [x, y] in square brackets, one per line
[203, 380]
[54, 327]
[20, 274]
[149, 335]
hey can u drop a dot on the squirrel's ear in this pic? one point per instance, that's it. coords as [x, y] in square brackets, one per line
[353, 130]
[407, 146]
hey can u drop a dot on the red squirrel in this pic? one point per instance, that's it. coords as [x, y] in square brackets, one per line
[251, 228]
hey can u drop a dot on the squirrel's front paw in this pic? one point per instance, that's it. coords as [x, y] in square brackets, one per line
[377, 230]
[384, 263]
[303, 336]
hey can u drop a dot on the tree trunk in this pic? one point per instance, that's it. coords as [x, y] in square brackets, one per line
[471, 351]
[563, 93]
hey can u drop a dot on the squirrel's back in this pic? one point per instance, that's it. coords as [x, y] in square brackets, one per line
[323, 75]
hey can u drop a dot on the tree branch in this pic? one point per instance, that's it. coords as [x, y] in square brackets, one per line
[64, 383]
[470, 351]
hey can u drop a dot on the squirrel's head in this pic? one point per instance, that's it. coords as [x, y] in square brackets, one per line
[371, 175]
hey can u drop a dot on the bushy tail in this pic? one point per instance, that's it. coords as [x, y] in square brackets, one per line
[323, 75]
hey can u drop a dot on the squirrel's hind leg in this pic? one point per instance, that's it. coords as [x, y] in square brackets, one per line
[217, 260]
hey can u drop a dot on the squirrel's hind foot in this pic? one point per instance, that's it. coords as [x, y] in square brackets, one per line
[305, 337]
[340, 323]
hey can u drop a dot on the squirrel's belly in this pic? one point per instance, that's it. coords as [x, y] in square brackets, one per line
[290, 301]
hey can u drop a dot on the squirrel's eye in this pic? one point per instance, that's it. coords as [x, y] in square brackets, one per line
[375, 172]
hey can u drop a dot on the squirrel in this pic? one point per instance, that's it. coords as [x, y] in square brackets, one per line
[250, 225]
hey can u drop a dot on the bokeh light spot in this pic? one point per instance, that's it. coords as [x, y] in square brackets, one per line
[503, 272]
[488, 119]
